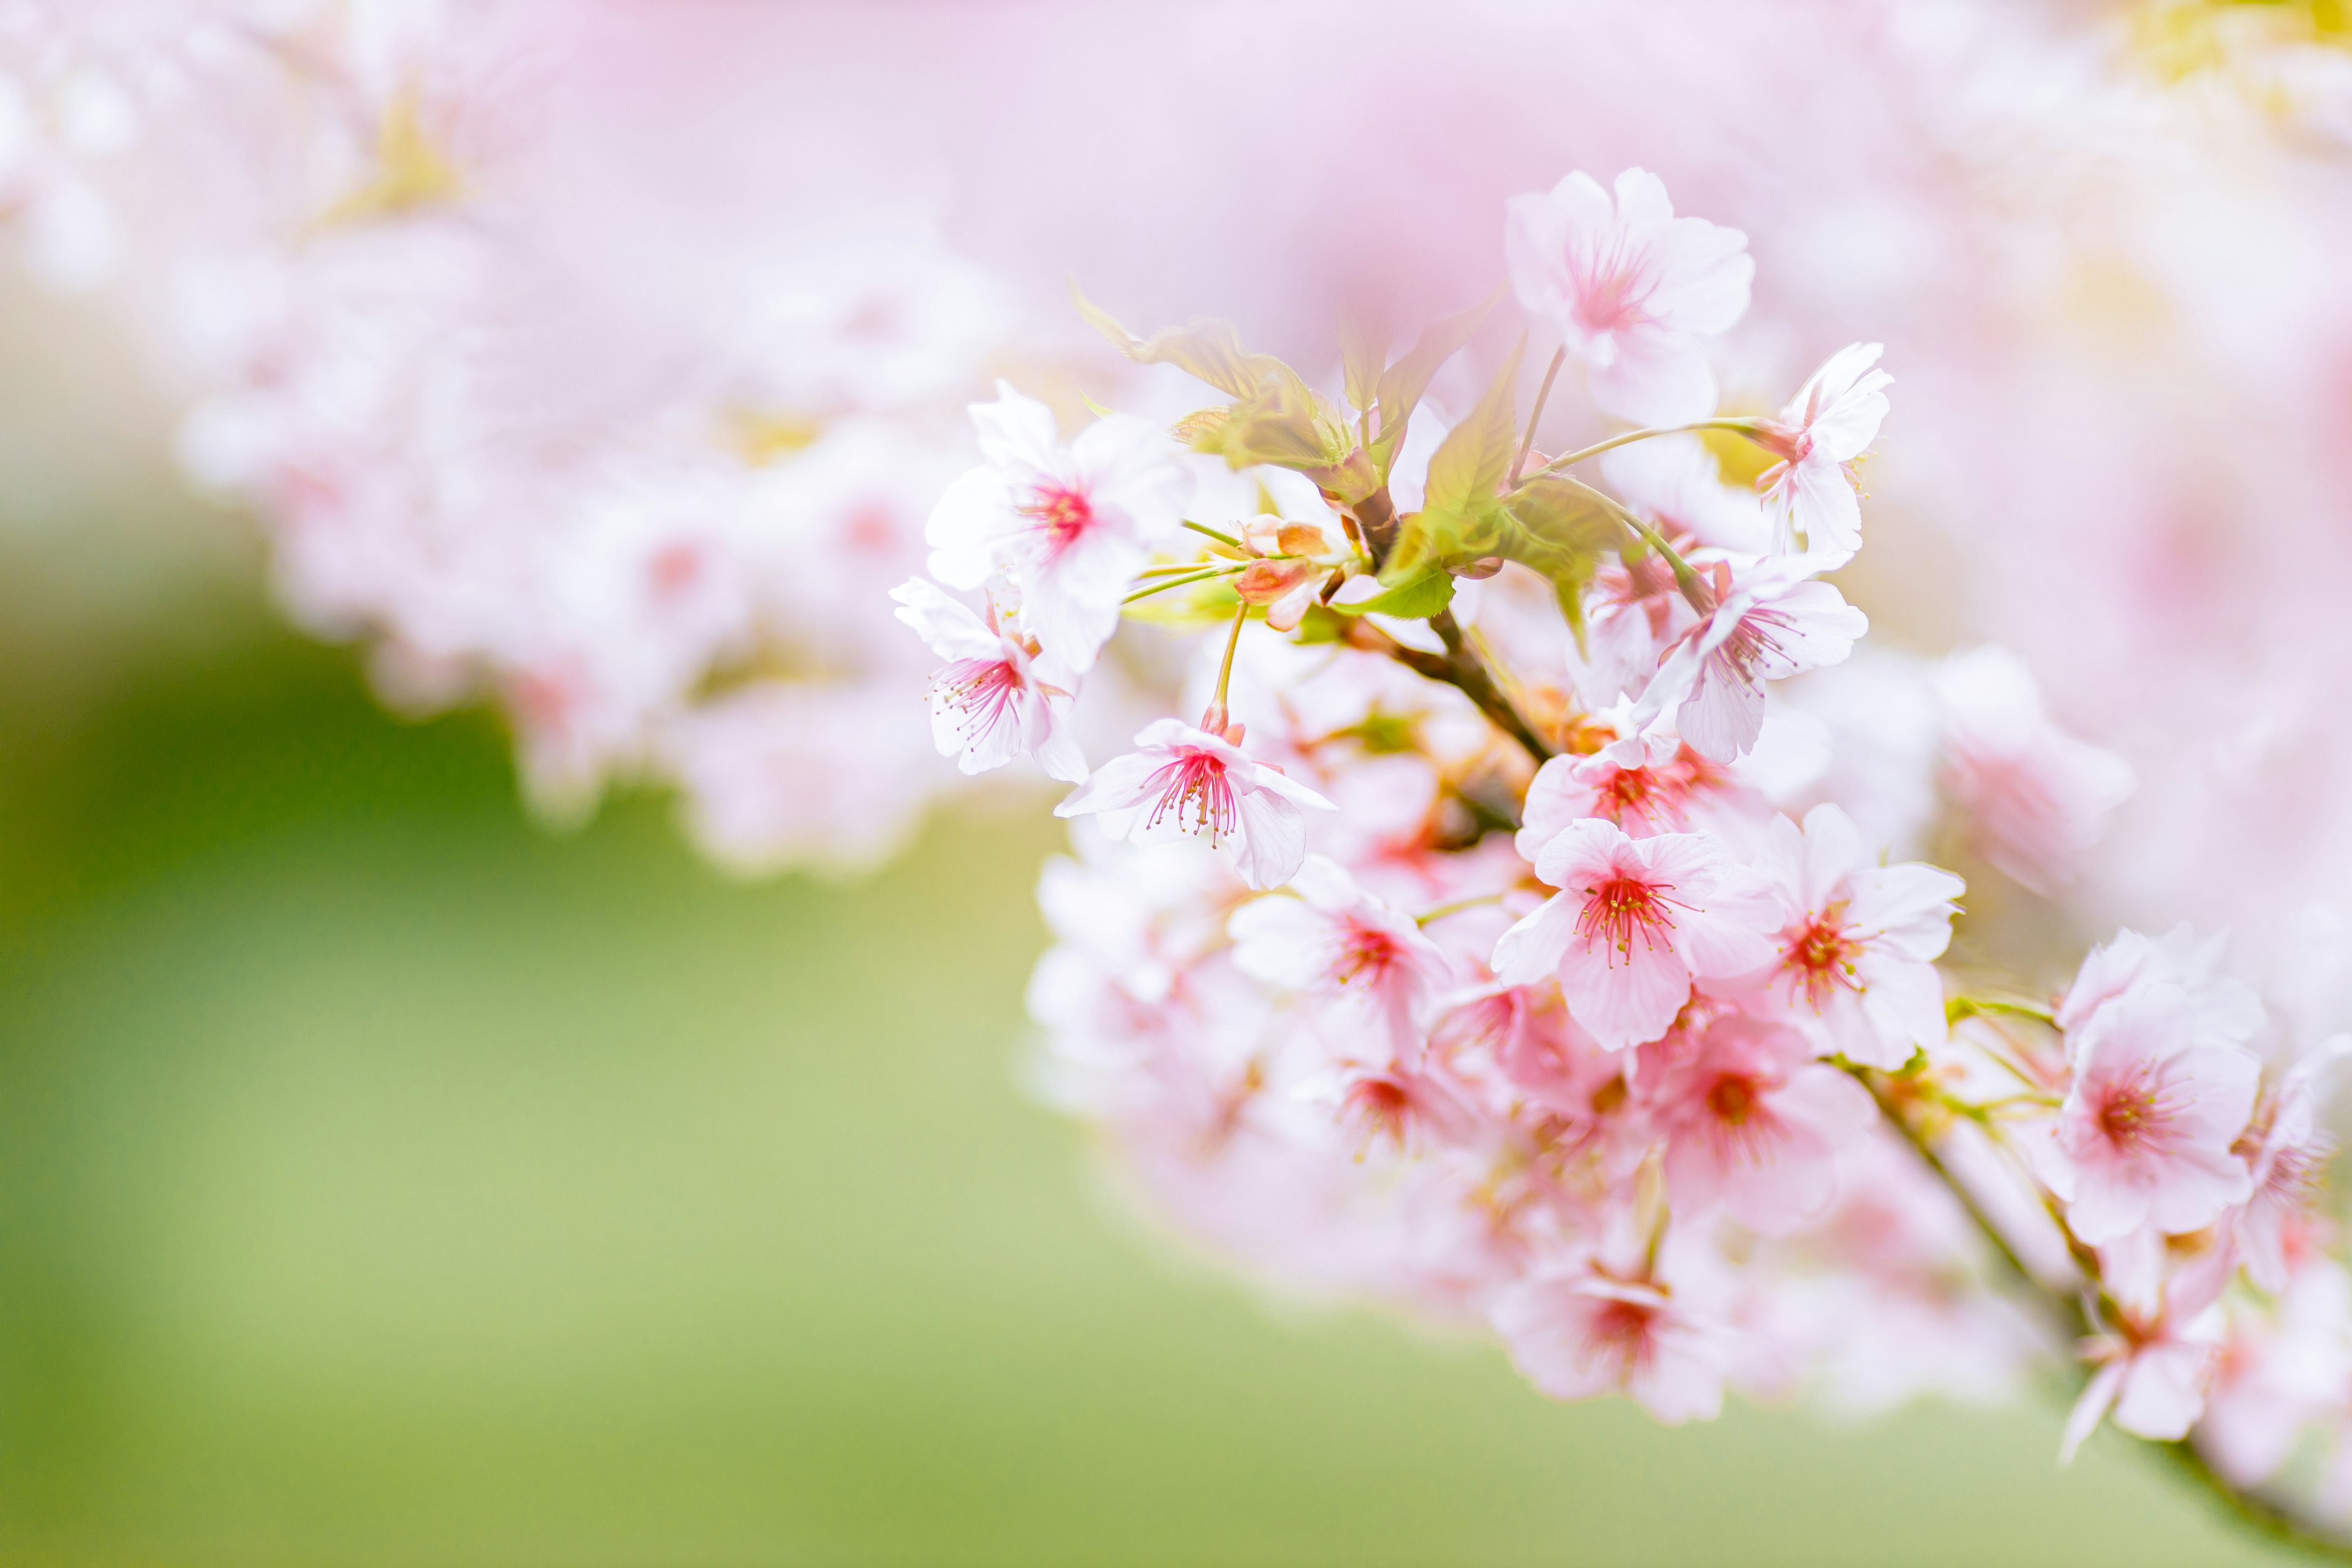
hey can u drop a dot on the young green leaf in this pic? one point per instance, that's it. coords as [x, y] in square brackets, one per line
[1401, 385]
[1363, 350]
[1415, 600]
[1475, 458]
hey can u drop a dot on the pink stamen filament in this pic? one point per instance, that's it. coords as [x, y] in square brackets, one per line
[1197, 789]
[1615, 910]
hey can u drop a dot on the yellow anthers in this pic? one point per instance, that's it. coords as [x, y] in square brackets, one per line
[410, 172]
[760, 436]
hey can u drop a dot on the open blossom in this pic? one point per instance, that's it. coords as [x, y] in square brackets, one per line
[1752, 1124]
[2223, 1004]
[1581, 1333]
[1635, 922]
[1181, 781]
[2285, 1147]
[2282, 1366]
[2151, 1376]
[997, 698]
[1775, 622]
[1333, 941]
[2035, 797]
[1830, 422]
[1630, 288]
[1856, 970]
[2145, 1136]
[1068, 526]
[1645, 784]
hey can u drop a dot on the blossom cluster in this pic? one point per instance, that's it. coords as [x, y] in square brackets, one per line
[1506, 940]
[644, 493]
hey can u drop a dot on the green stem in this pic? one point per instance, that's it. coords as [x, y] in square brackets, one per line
[1212, 533]
[1558, 465]
[1180, 583]
[1543, 396]
[1225, 674]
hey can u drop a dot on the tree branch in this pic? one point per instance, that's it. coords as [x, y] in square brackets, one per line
[1458, 667]
[2253, 1510]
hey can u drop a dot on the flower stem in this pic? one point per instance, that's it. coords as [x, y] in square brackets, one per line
[1535, 416]
[1558, 464]
[1214, 719]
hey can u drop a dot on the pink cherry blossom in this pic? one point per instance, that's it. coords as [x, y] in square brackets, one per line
[1581, 1333]
[1775, 622]
[1635, 922]
[2153, 1364]
[1856, 970]
[2145, 1136]
[997, 697]
[1067, 526]
[1181, 781]
[1752, 1124]
[2285, 1149]
[1336, 943]
[2223, 1004]
[1818, 436]
[1630, 288]
[2035, 797]
[2282, 1367]
[1645, 784]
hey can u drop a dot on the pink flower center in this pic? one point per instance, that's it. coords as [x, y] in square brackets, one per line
[1062, 515]
[1732, 1098]
[1822, 958]
[1620, 1333]
[1753, 640]
[1617, 910]
[1198, 789]
[1363, 952]
[1611, 289]
[2132, 1113]
[980, 691]
[1382, 1108]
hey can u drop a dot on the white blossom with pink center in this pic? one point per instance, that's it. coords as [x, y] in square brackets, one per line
[1583, 1332]
[1857, 963]
[1819, 438]
[1647, 782]
[1068, 526]
[2144, 1137]
[1374, 971]
[1752, 1124]
[1630, 288]
[999, 698]
[1635, 923]
[1182, 782]
[1775, 621]
[2036, 797]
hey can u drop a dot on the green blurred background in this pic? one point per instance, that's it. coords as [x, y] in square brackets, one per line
[383, 1180]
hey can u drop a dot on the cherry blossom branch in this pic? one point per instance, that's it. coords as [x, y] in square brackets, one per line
[1460, 668]
[2271, 1520]
[2252, 1510]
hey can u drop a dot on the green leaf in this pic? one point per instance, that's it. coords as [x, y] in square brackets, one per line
[1474, 459]
[1363, 350]
[1322, 623]
[1403, 383]
[1565, 530]
[1415, 600]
